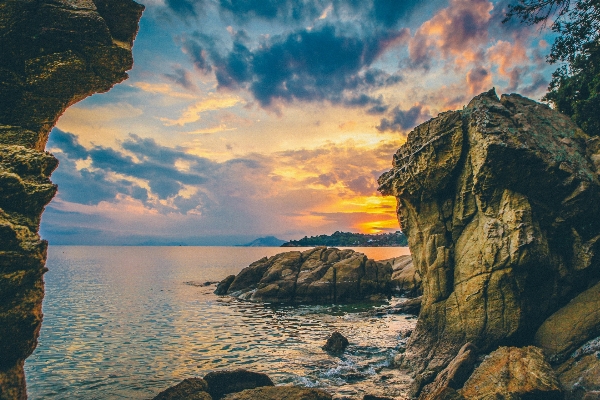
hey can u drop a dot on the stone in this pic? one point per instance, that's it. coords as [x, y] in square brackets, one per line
[513, 373]
[406, 280]
[223, 382]
[224, 285]
[571, 326]
[54, 53]
[279, 393]
[373, 397]
[499, 203]
[336, 343]
[410, 306]
[188, 389]
[319, 275]
[453, 376]
[580, 374]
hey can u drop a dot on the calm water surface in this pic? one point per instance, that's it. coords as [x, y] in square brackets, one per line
[127, 322]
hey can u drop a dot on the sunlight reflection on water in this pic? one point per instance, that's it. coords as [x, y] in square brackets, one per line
[119, 322]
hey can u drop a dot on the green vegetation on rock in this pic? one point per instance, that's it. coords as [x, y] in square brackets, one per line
[349, 239]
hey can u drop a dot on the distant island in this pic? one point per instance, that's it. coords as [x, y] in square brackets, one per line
[268, 241]
[349, 239]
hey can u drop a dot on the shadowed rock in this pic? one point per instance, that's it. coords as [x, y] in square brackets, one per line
[188, 389]
[319, 275]
[53, 54]
[500, 204]
[223, 382]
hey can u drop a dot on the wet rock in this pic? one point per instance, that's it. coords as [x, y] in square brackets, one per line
[336, 343]
[224, 285]
[453, 376]
[223, 382]
[279, 393]
[513, 373]
[319, 275]
[188, 389]
[499, 205]
[571, 326]
[580, 374]
[410, 306]
[53, 54]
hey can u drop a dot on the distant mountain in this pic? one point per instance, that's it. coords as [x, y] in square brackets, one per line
[268, 241]
[349, 239]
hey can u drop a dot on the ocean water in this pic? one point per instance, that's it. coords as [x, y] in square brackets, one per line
[128, 322]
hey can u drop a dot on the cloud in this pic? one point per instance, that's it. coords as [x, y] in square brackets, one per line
[163, 89]
[478, 80]
[211, 103]
[402, 120]
[181, 77]
[458, 30]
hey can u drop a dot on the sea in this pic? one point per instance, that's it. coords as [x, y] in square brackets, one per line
[128, 322]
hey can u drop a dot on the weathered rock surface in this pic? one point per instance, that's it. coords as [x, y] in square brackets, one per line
[223, 382]
[453, 376]
[580, 374]
[571, 326]
[319, 275]
[405, 278]
[279, 393]
[53, 54]
[513, 373]
[500, 204]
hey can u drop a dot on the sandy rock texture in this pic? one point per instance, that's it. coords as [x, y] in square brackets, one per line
[500, 204]
[53, 54]
[319, 275]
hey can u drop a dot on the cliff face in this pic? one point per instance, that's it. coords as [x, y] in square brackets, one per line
[499, 202]
[53, 54]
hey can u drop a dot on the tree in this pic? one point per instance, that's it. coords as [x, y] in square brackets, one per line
[575, 86]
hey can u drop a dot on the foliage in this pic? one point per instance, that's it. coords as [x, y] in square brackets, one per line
[349, 239]
[575, 86]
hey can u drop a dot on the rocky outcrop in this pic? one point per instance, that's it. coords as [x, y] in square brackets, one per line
[279, 393]
[319, 275]
[500, 204]
[513, 373]
[224, 382]
[190, 389]
[579, 375]
[53, 54]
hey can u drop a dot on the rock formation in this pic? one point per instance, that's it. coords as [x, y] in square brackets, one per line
[319, 275]
[405, 278]
[53, 54]
[500, 204]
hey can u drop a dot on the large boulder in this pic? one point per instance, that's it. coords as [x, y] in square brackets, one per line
[571, 326]
[513, 373]
[500, 205]
[188, 389]
[319, 275]
[53, 54]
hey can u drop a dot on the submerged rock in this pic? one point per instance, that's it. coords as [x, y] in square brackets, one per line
[280, 393]
[319, 275]
[500, 204]
[53, 54]
[336, 343]
[188, 389]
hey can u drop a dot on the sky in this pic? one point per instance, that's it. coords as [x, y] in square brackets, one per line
[248, 118]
